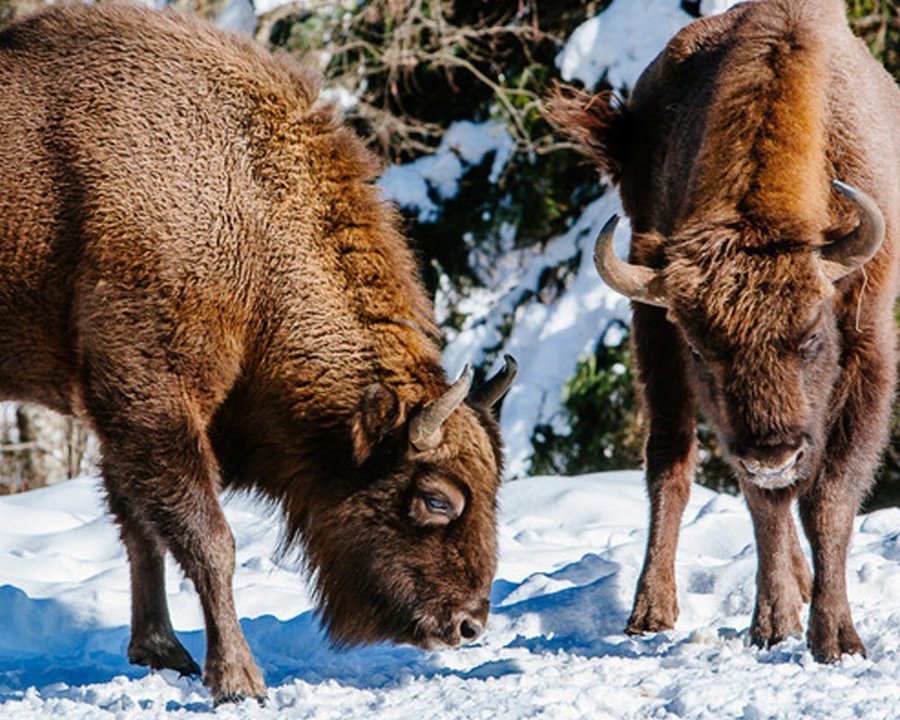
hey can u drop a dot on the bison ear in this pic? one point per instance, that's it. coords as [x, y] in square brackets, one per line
[378, 413]
[595, 123]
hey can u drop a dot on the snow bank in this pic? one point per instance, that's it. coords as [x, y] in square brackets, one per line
[622, 40]
[570, 552]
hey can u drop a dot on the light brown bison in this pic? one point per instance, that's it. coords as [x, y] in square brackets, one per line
[763, 288]
[194, 260]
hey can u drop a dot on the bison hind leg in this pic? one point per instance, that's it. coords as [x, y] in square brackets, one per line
[802, 573]
[153, 642]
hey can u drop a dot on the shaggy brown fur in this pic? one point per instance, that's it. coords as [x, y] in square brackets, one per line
[194, 260]
[731, 138]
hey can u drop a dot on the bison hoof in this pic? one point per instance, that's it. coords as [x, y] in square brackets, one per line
[765, 642]
[829, 649]
[773, 624]
[234, 682]
[652, 614]
[162, 651]
[236, 698]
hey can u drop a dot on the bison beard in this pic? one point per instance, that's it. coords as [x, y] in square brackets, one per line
[760, 294]
[193, 259]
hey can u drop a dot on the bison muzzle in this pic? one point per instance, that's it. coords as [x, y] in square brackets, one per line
[194, 260]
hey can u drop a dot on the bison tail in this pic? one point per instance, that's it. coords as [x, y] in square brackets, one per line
[594, 123]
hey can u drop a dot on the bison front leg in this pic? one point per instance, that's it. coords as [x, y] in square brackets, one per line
[167, 474]
[829, 525]
[782, 575]
[670, 452]
[153, 642]
[829, 506]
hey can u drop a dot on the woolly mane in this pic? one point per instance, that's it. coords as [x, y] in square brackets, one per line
[763, 152]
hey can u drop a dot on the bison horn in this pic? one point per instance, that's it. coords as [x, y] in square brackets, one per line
[637, 282]
[851, 251]
[495, 388]
[425, 427]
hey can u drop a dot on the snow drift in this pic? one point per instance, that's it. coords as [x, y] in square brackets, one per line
[571, 550]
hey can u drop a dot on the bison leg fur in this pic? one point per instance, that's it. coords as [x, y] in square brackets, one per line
[829, 525]
[670, 455]
[781, 582]
[170, 474]
[802, 573]
[153, 642]
[830, 504]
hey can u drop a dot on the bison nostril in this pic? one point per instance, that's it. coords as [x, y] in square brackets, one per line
[773, 468]
[470, 629]
[750, 466]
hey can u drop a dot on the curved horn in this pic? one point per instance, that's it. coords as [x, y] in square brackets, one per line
[493, 390]
[637, 282]
[425, 427]
[850, 252]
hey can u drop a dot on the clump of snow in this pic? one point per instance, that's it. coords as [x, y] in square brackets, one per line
[620, 42]
[340, 96]
[473, 141]
[263, 7]
[238, 16]
[421, 184]
[714, 7]
[570, 553]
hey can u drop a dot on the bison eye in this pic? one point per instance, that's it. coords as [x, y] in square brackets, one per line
[809, 348]
[436, 504]
[696, 353]
[436, 501]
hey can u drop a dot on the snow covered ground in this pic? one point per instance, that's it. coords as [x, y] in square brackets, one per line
[570, 552]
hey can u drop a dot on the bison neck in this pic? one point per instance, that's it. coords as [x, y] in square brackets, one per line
[289, 438]
[341, 316]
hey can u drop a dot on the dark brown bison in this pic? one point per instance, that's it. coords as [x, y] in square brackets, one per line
[762, 287]
[194, 260]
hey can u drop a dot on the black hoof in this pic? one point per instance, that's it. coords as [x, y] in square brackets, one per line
[163, 653]
[238, 697]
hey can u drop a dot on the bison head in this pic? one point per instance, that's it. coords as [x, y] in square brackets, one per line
[754, 307]
[407, 551]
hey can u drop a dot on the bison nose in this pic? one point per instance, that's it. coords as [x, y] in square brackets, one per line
[469, 628]
[776, 466]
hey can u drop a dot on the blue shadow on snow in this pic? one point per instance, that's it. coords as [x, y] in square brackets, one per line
[42, 642]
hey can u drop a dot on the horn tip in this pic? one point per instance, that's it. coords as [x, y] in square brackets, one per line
[843, 188]
[610, 224]
[605, 237]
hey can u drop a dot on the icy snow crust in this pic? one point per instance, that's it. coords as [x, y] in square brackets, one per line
[570, 552]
